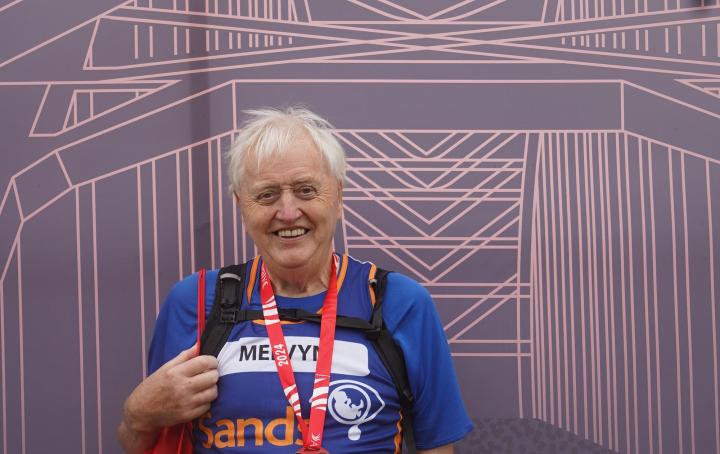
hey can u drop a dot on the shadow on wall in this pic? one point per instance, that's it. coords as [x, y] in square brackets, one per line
[524, 436]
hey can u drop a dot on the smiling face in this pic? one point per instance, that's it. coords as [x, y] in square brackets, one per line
[290, 204]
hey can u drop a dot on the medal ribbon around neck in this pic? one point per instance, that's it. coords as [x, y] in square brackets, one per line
[312, 440]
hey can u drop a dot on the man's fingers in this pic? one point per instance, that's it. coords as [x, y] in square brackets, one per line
[197, 365]
[206, 396]
[205, 380]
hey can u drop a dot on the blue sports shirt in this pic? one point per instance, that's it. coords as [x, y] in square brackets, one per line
[251, 414]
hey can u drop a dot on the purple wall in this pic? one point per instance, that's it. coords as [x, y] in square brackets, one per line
[548, 170]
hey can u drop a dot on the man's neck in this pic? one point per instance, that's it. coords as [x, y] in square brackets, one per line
[298, 282]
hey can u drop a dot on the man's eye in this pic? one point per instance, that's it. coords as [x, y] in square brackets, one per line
[306, 191]
[267, 196]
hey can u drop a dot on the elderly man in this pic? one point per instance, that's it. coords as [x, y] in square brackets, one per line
[274, 381]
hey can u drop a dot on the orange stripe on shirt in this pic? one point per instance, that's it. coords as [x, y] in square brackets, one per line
[398, 437]
[251, 281]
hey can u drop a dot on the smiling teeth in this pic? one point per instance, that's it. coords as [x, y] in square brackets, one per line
[291, 233]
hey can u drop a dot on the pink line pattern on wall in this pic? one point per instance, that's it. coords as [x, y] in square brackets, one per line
[424, 193]
[547, 170]
[614, 293]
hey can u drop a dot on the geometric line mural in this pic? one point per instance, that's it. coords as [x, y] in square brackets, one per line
[620, 320]
[548, 171]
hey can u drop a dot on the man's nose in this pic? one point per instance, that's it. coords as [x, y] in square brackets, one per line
[288, 207]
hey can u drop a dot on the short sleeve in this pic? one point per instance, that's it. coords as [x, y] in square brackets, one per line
[176, 324]
[439, 415]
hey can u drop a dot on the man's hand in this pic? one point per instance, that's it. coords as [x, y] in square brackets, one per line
[180, 391]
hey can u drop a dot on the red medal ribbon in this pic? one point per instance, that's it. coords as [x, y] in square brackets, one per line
[312, 439]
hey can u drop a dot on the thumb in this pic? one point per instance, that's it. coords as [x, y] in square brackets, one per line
[183, 356]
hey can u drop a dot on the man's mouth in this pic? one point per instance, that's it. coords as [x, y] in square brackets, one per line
[291, 233]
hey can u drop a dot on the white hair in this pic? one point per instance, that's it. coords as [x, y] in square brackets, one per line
[269, 131]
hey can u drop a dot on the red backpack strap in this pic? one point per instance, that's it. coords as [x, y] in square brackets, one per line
[200, 306]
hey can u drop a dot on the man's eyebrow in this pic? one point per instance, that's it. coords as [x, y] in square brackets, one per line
[263, 187]
[303, 180]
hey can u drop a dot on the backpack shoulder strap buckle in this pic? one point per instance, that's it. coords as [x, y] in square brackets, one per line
[229, 315]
